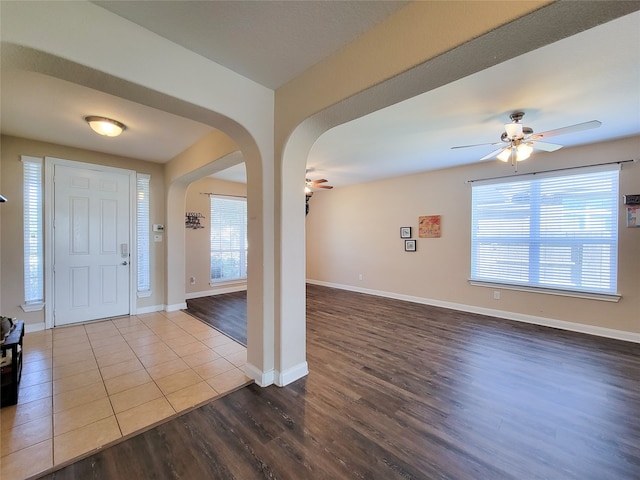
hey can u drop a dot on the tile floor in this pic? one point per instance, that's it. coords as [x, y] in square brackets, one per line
[84, 386]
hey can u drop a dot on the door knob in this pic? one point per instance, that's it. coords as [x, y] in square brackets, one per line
[125, 263]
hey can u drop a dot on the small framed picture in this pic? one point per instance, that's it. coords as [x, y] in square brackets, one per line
[405, 232]
[409, 245]
[633, 217]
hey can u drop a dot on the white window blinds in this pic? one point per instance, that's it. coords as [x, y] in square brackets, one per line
[228, 239]
[142, 234]
[33, 238]
[556, 231]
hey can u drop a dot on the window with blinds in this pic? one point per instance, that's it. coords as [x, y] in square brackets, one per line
[142, 235]
[228, 239]
[33, 238]
[555, 231]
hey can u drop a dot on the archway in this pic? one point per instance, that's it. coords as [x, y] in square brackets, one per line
[194, 163]
[201, 160]
[336, 93]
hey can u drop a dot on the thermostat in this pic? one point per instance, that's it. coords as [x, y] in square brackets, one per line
[158, 228]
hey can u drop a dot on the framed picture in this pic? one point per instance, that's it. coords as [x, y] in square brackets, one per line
[405, 232]
[409, 245]
[429, 226]
[633, 217]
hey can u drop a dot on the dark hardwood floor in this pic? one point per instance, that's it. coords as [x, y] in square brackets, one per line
[227, 313]
[398, 390]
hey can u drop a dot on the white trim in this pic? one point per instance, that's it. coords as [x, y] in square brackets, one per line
[262, 379]
[48, 244]
[34, 327]
[49, 163]
[145, 294]
[217, 291]
[151, 309]
[133, 241]
[291, 374]
[175, 307]
[224, 283]
[549, 291]
[545, 322]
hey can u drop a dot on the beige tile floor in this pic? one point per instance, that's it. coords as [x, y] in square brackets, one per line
[85, 386]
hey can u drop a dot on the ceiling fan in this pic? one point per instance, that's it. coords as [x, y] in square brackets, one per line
[517, 142]
[309, 185]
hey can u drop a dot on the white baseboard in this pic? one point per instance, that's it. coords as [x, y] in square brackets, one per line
[151, 309]
[175, 307]
[281, 379]
[543, 321]
[33, 327]
[263, 379]
[291, 374]
[216, 291]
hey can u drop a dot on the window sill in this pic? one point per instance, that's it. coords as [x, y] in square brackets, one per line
[224, 283]
[32, 307]
[549, 291]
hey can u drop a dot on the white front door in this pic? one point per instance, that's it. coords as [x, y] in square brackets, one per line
[90, 245]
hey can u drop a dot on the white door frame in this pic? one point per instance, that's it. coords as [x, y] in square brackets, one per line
[49, 164]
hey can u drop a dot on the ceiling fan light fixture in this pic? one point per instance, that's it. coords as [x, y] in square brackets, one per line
[505, 154]
[105, 126]
[523, 151]
[514, 130]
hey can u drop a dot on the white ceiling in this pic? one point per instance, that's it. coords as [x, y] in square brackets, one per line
[270, 42]
[592, 75]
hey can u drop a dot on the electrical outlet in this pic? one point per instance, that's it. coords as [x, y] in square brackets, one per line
[496, 295]
[193, 280]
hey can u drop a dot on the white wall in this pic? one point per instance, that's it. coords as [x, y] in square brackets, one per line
[355, 230]
[12, 251]
[197, 241]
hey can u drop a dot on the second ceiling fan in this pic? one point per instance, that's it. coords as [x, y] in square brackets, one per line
[517, 142]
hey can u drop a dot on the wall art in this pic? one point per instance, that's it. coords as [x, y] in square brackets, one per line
[429, 226]
[633, 217]
[405, 232]
[409, 245]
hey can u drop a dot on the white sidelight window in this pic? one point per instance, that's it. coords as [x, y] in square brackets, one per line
[143, 235]
[33, 237]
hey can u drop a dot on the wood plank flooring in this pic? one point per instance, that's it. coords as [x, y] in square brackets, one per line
[227, 313]
[398, 390]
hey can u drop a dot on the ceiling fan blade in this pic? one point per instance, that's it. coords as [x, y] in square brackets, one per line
[563, 131]
[477, 145]
[546, 147]
[328, 187]
[492, 154]
[322, 180]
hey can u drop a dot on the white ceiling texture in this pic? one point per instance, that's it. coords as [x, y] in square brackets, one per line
[593, 75]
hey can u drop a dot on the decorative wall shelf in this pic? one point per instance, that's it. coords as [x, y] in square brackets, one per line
[192, 220]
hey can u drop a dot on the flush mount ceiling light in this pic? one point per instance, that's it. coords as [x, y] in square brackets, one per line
[105, 126]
